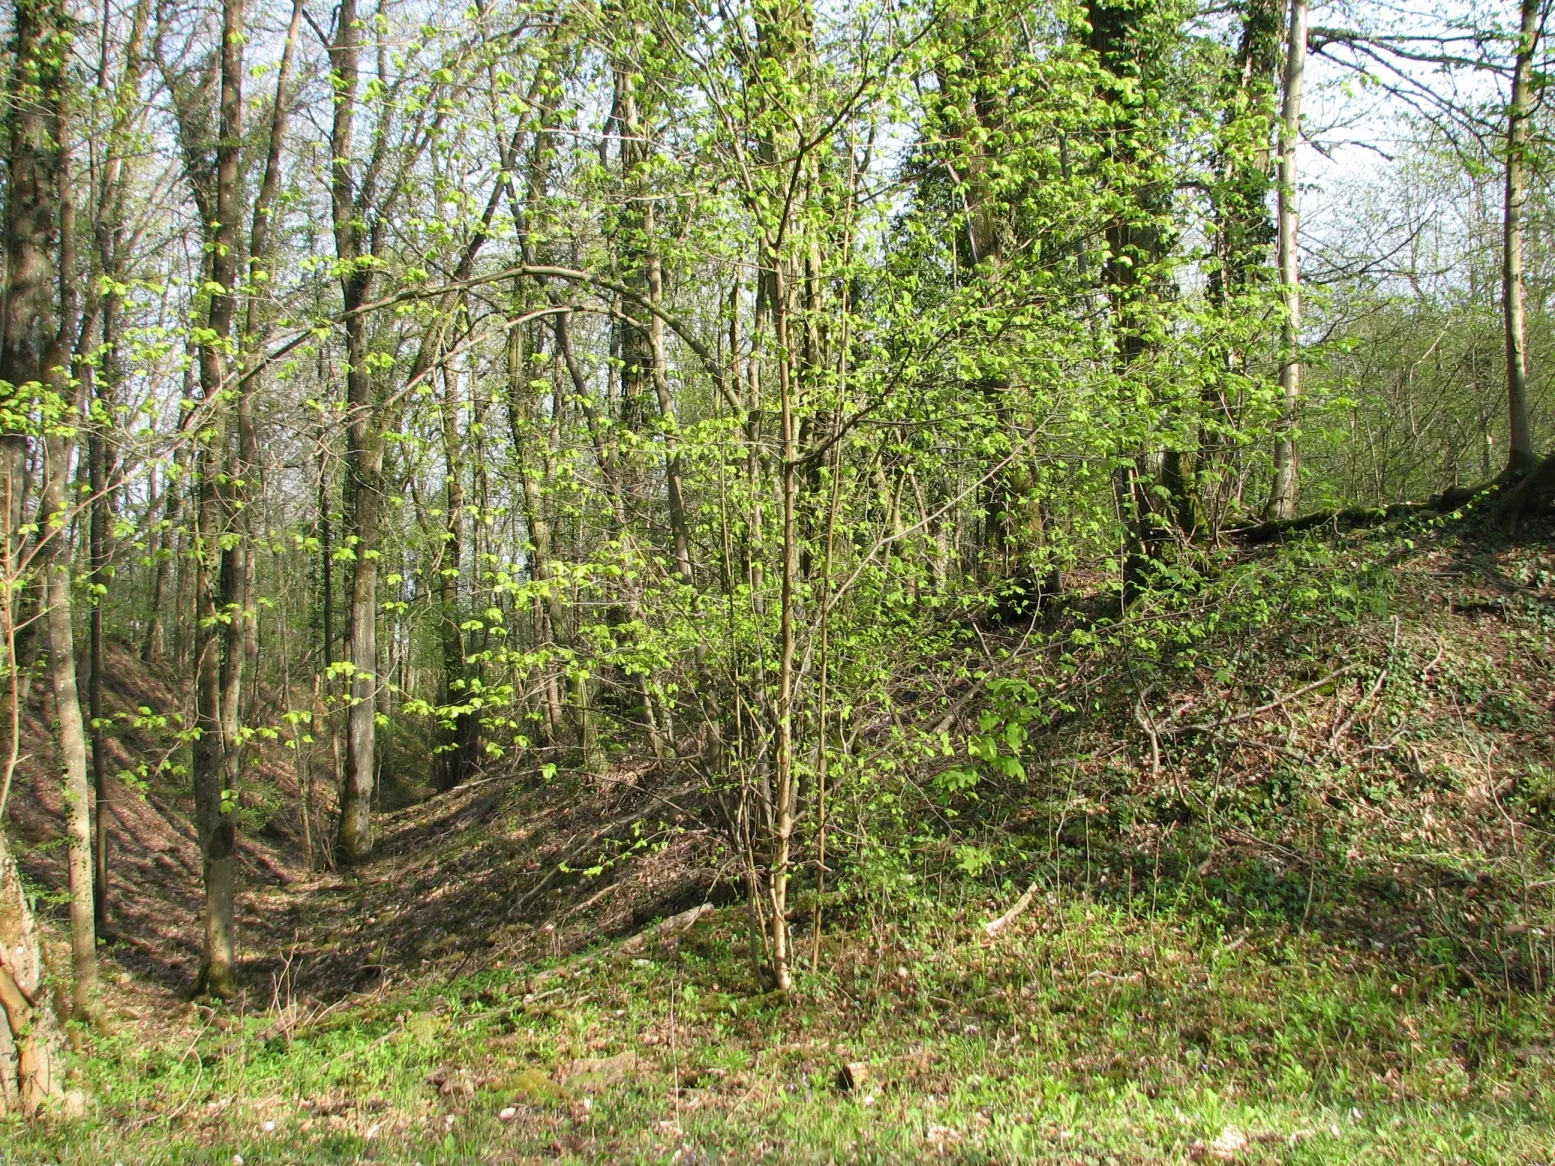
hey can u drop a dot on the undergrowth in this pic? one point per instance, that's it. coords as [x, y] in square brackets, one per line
[1282, 841]
[1085, 1033]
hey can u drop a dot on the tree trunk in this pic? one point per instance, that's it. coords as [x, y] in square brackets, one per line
[110, 234]
[456, 748]
[100, 534]
[1282, 498]
[213, 813]
[1244, 234]
[219, 653]
[36, 1041]
[28, 322]
[153, 649]
[1535, 492]
[1520, 453]
[364, 455]
[521, 425]
[35, 83]
[56, 208]
[785, 795]
[54, 524]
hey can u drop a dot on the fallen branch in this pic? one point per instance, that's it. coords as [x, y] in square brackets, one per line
[1357, 517]
[994, 926]
[1382, 678]
[671, 928]
[1213, 726]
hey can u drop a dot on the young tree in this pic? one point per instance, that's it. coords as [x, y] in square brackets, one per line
[39, 339]
[1282, 497]
[364, 444]
[1521, 456]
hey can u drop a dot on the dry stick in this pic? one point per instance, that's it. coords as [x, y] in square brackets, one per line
[1382, 678]
[1211, 726]
[994, 926]
[1147, 723]
[675, 1053]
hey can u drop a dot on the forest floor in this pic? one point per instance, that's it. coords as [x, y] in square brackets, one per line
[1317, 925]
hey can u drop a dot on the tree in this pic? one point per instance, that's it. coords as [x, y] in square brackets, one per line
[33, 1036]
[39, 341]
[212, 149]
[1521, 456]
[1282, 496]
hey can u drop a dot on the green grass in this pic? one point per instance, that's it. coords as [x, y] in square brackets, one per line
[1083, 1035]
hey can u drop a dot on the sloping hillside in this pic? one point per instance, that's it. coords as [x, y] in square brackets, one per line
[1270, 887]
[154, 861]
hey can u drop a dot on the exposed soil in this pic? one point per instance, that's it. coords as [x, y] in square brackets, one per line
[467, 876]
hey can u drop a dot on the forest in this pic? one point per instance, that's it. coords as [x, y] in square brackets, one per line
[763, 580]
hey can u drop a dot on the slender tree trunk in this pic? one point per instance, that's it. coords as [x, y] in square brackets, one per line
[1282, 498]
[674, 473]
[1244, 233]
[153, 648]
[99, 536]
[242, 597]
[72, 731]
[30, 348]
[110, 232]
[536, 522]
[323, 718]
[364, 456]
[1520, 452]
[222, 547]
[100, 458]
[213, 816]
[456, 755]
[785, 794]
[54, 522]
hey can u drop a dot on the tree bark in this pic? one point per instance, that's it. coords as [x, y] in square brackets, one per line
[1244, 234]
[28, 321]
[54, 522]
[51, 209]
[457, 747]
[110, 235]
[364, 455]
[35, 1037]
[219, 640]
[153, 649]
[1520, 452]
[1282, 498]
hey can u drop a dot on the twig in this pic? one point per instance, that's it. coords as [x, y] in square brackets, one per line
[199, 1074]
[1382, 678]
[1142, 716]
[1211, 726]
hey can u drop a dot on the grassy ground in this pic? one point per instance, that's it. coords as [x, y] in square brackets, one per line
[1290, 903]
[1080, 1034]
